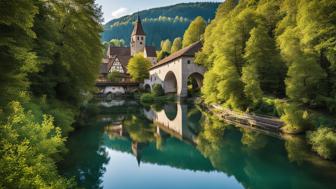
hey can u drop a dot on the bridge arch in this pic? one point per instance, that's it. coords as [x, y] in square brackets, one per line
[170, 83]
[147, 88]
[171, 111]
[195, 81]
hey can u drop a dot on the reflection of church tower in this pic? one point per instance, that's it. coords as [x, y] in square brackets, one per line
[136, 151]
[138, 38]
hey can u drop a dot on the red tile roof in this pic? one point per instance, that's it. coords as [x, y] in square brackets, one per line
[150, 51]
[189, 51]
[120, 51]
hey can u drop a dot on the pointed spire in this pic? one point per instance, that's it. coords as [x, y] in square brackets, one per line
[138, 29]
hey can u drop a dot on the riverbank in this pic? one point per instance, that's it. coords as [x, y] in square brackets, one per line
[239, 118]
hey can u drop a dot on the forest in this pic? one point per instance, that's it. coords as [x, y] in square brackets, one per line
[277, 58]
[160, 23]
[49, 61]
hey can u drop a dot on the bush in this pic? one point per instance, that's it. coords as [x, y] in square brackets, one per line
[323, 141]
[147, 98]
[27, 149]
[157, 90]
[114, 77]
[297, 120]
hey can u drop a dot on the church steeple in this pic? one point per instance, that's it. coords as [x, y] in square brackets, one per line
[138, 29]
[138, 38]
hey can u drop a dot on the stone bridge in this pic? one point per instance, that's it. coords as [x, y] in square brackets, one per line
[175, 71]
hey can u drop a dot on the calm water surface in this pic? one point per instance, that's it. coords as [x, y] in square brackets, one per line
[123, 145]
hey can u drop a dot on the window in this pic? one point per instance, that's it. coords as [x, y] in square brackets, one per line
[138, 38]
[141, 38]
[188, 61]
[140, 43]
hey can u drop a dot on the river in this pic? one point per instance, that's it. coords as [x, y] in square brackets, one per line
[125, 145]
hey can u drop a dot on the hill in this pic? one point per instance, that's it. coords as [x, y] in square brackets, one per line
[160, 23]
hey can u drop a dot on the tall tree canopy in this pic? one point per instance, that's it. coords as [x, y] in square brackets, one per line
[166, 45]
[50, 53]
[194, 31]
[138, 67]
[273, 49]
[177, 44]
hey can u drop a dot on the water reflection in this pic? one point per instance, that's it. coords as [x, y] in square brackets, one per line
[178, 146]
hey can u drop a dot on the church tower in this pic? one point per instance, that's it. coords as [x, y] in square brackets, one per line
[138, 38]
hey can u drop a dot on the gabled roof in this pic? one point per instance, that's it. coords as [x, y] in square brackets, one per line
[189, 51]
[120, 51]
[150, 51]
[138, 29]
[124, 61]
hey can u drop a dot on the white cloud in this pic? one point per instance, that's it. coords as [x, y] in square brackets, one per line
[119, 12]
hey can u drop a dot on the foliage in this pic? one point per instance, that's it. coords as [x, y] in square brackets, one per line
[26, 148]
[177, 45]
[114, 76]
[157, 90]
[117, 42]
[50, 55]
[15, 47]
[323, 141]
[160, 23]
[270, 48]
[194, 32]
[162, 54]
[166, 45]
[149, 98]
[138, 67]
[297, 120]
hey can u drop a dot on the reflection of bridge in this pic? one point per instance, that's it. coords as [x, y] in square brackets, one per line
[176, 124]
[174, 71]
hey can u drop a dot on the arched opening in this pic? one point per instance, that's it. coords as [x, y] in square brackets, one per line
[171, 111]
[170, 83]
[147, 88]
[195, 83]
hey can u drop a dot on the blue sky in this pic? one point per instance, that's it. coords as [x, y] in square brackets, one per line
[117, 8]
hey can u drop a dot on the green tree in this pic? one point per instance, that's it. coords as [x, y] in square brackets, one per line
[117, 42]
[162, 54]
[16, 56]
[114, 76]
[138, 67]
[194, 32]
[70, 50]
[166, 45]
[213, 32]
[323, 141]
[177, 44]
[53, 54]
[26, 148]
[157, 90]
[267, 72]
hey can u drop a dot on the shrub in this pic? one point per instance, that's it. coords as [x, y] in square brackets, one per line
[323, 141]
[297, 120]
[114, 76]
[157, 90]
[147, 98]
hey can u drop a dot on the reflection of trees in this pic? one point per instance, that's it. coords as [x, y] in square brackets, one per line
[86, 158]
[194, 117]
[255, 160]
[253, 139]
